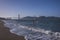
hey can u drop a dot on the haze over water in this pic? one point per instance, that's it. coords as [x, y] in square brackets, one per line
[32, 8]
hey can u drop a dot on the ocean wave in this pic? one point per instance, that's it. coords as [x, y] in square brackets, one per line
[31, 33]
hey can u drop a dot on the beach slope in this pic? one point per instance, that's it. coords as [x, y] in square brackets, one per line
[6, 35]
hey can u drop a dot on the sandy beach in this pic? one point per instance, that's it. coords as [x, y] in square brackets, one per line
[6, 35]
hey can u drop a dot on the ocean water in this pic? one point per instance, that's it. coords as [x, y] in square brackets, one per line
[37, 31]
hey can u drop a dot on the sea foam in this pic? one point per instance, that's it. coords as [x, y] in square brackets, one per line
[31, 33]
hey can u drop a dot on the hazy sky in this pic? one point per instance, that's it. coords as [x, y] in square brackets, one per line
[11, 8]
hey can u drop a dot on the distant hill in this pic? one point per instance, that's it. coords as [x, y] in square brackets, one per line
[41, 18]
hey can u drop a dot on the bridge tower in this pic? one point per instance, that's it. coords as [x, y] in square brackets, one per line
[19, 16]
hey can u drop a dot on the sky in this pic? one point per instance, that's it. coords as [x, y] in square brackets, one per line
[11, 8]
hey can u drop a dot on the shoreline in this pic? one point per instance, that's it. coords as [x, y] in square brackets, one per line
[6, 35]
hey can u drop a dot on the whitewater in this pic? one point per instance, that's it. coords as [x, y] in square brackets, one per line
[31, 33]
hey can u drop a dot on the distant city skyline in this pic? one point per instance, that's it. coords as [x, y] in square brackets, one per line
[11, 8]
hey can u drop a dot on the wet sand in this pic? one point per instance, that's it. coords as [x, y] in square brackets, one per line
[6, 35]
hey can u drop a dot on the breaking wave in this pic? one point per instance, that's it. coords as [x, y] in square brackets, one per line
[31, 33]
